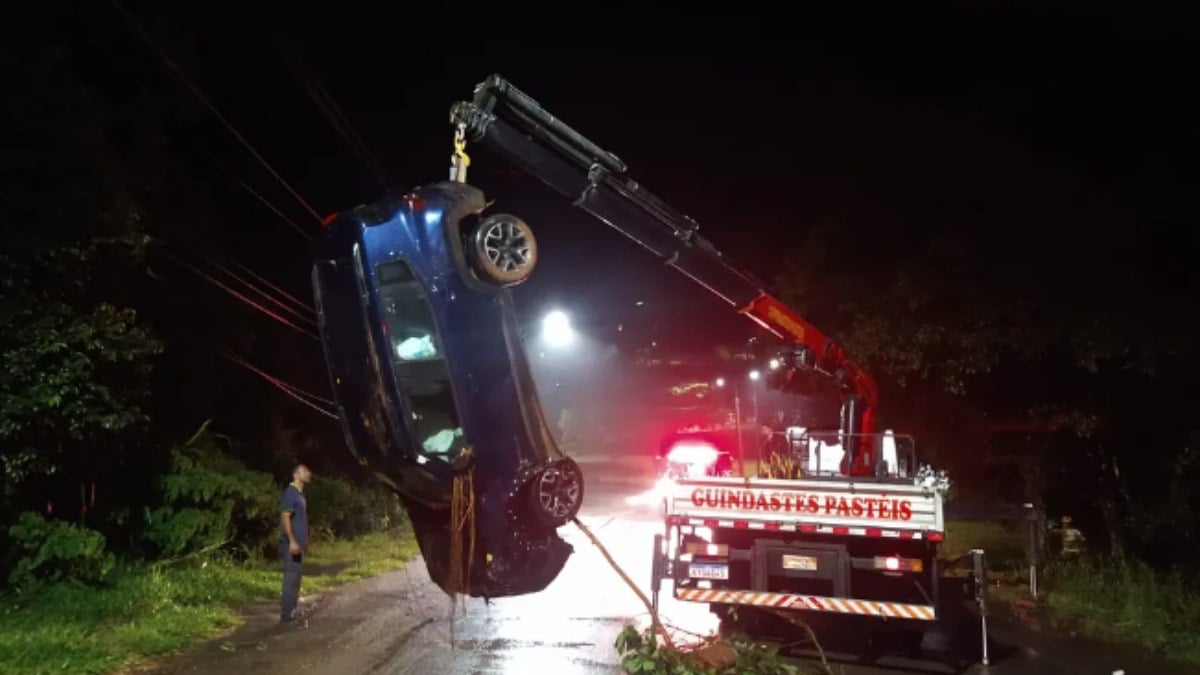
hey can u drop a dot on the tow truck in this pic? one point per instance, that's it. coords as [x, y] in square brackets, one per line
[432, 383]
[854, 525]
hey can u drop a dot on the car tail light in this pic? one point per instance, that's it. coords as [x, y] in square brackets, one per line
[897, 564]
[706, 549]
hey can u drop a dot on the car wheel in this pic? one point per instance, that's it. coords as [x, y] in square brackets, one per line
[504, 249]
[556, 493]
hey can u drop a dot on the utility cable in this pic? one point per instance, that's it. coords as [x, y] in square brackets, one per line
[263, 200]
[272, 286]
[333, 112]
[137, 28]
[290, 387]
[218, 283]
[308, 318]
[275, 294]
[286, 388]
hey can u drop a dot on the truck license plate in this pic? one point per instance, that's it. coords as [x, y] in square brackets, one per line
[708, 571]
[800, 562]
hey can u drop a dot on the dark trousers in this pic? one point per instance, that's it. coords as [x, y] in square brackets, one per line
[292, 569]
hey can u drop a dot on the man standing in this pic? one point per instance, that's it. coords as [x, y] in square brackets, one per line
[293, 542]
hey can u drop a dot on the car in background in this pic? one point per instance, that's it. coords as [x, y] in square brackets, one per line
[696, 453]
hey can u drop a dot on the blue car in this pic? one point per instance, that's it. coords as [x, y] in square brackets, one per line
[431, 378]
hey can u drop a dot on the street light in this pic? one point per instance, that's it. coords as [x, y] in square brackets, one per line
[720, 382]
[557, 330]
[774, 364]
[754, 375]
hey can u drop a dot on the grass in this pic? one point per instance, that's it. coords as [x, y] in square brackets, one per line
[149, 610]
[1003, 543]
[1124, 601]
[1112, 600]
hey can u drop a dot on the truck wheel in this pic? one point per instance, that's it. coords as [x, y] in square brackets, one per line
[504, 249]
[556, 493]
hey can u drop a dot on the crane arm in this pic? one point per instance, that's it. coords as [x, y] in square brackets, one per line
[513, 124]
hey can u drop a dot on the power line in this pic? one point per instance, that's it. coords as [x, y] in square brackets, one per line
[274, 209]
[300, 309]
[291, 387]
[216, 282]
[337, 111]
[271, 285]
[133, 24]
[332, 112]
[291, 390]
[275, 301]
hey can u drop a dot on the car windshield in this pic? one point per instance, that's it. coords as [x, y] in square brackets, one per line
[418, 359]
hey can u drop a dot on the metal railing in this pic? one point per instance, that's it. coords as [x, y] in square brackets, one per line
[801, 453]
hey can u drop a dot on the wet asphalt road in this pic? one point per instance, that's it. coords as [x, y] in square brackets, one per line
[400, 623]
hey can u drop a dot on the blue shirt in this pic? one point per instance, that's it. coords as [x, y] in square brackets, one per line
[293, 502]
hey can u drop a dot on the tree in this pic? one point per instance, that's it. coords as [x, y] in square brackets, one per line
[73, 375]
[74, 356]
[1037, 354]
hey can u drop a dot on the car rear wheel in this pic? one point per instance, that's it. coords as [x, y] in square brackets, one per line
[504, 249]
[556, 493]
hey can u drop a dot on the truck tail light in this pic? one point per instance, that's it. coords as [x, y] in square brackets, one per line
[708, 550]
[897, 564]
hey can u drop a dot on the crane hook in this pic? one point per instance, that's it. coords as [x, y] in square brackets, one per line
[459, 161]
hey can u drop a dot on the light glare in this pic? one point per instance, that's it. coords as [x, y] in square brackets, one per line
[557, 330]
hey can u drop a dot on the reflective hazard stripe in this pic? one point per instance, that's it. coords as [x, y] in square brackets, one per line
[811, 528]
[812, 603]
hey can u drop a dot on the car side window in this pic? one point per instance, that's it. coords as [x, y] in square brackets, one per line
[418, 359]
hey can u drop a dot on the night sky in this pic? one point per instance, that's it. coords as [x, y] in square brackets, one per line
[758, 122]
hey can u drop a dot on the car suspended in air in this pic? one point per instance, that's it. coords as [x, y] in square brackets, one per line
[425, 353]
[431, 378]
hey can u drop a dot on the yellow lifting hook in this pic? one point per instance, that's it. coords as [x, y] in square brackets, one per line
[459, 161]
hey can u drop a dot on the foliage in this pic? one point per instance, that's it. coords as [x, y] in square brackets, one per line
[1127, 601]
[210, 499]
[641, 652]
[338, 508]
[1055, 373]
[74, 373]
[57, 551]
[1004, 543]
[76, 356]
[148, 610]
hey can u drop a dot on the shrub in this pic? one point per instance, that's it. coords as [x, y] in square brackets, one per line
[641, 652]
[338, 508]
[53, 550]
[1128, 601]
[211, 499]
